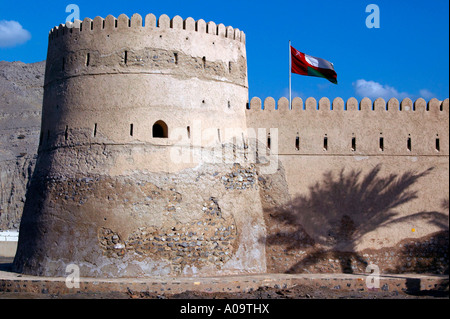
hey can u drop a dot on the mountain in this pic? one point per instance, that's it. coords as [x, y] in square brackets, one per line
[21, 93]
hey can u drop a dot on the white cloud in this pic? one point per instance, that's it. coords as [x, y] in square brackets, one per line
[12, 34]
[374, 90]
[426, 94]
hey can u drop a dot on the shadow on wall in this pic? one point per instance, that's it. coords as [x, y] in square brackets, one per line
[340, 210]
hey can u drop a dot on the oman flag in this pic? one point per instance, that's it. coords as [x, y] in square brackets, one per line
[311, 66]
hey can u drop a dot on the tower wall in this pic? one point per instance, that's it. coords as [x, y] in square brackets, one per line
[117, 200]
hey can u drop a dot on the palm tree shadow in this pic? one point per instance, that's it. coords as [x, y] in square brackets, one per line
[339, 210]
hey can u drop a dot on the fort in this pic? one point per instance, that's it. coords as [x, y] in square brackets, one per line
[153, 160]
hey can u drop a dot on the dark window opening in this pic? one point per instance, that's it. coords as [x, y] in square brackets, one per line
[325, 143]
[297, 143]
[438, 145]
[95, 129]
[268, 141]
[189, 131]
[160, 130]
[66, 133]
[175, 55]
[353, 144]
[204, 62]
[409, 144]
[381, 144]
[125, 57]
[88, 59]
[131, 129]
[247, 106]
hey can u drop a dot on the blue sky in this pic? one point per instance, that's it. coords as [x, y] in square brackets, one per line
[407, 56]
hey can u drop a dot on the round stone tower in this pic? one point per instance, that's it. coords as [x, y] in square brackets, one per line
[142, 166]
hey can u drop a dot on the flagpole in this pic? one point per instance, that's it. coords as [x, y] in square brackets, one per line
[290, 74]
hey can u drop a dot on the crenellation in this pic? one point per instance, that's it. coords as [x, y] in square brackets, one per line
[379, 105]
[110, 23]
[283, 104]
[221, 31]
[176, 22]
[444, 107]
[123, 22]
[189, 24]
[98, 24]
[406, 105]
[200, 26]
[230, 32]
[420, 105]
[325, 105]
[136, 21]
[211, 28]
[310, 104]
[269, 104]
[393, 105]
[367, 105]
[297, 104]
[351, 105]
[150, 21]
[164, 21]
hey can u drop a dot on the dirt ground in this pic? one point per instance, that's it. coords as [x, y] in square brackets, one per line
[296, 292]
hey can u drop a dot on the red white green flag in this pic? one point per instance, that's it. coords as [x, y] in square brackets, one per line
[305, 64]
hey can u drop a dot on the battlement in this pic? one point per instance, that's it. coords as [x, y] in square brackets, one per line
[123, 23]
[393, 105]
[379, 128]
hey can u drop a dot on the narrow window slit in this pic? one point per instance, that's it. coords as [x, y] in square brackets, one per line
[325, 143]
[297, 143]
[125, 57]
[353, 144]
[66, 133]
[95, 129]
[438, 145]
[381, 144]
[175, 57]
[204, 62]
[188, 131]
[408, 144]
[268, 141]
[88, 59]
[131, 129]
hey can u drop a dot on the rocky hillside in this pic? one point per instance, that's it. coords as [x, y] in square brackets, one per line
[21, 92]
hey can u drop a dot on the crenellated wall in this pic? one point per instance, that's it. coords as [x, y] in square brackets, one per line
[355, 128]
